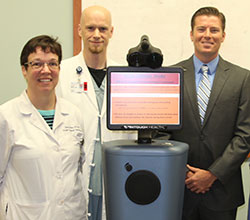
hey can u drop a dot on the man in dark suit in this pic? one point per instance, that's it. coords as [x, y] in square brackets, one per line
[217, 130]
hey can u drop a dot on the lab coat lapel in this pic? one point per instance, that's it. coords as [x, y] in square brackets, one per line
[28, 110]
[104, 104]
[86, 77]
[60, 112]
[35, 118]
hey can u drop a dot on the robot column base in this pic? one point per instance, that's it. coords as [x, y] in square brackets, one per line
[144, 181]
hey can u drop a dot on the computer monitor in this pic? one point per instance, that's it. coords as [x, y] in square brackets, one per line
[140, 98]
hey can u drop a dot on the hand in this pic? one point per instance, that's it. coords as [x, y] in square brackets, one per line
[199, 180]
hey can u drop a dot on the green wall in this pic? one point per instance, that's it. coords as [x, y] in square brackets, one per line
[22, 20]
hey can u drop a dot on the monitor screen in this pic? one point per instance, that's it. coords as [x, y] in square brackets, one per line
[144, 98]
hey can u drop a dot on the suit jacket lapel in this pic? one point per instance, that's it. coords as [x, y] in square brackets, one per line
[218, 84]
[190, 88]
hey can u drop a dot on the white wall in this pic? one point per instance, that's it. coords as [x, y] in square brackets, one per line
[167, 23]
[21, 20]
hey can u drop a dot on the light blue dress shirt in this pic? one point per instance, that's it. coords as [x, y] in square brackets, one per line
[212, 66]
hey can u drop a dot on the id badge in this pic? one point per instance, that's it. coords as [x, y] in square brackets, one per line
[76, 87]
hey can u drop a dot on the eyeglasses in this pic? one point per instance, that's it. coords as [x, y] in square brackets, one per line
[38, 65]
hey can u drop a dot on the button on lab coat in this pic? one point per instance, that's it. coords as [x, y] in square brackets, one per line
[39, 167]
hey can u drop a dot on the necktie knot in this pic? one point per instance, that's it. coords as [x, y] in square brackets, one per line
[204, 69]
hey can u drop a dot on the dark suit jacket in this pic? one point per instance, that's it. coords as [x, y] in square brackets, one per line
[223, 142]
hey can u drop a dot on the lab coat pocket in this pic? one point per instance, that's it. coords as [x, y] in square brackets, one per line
[80, 140]
[32, 171]
[76, 206]
[39, 211]
[72, 141]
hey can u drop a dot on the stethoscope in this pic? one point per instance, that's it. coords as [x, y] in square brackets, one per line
[85, 84]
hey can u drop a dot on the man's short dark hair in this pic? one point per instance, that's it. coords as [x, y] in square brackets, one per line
[210, 11]
[46, 43]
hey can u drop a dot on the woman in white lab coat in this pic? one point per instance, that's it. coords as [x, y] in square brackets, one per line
[41, 143]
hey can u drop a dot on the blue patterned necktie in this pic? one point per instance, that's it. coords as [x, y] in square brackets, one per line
[203, 92]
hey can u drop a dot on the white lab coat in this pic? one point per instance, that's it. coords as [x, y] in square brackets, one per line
[87, 103]
[39, 167]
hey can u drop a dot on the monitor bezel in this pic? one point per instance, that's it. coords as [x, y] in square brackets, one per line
[173, 69]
